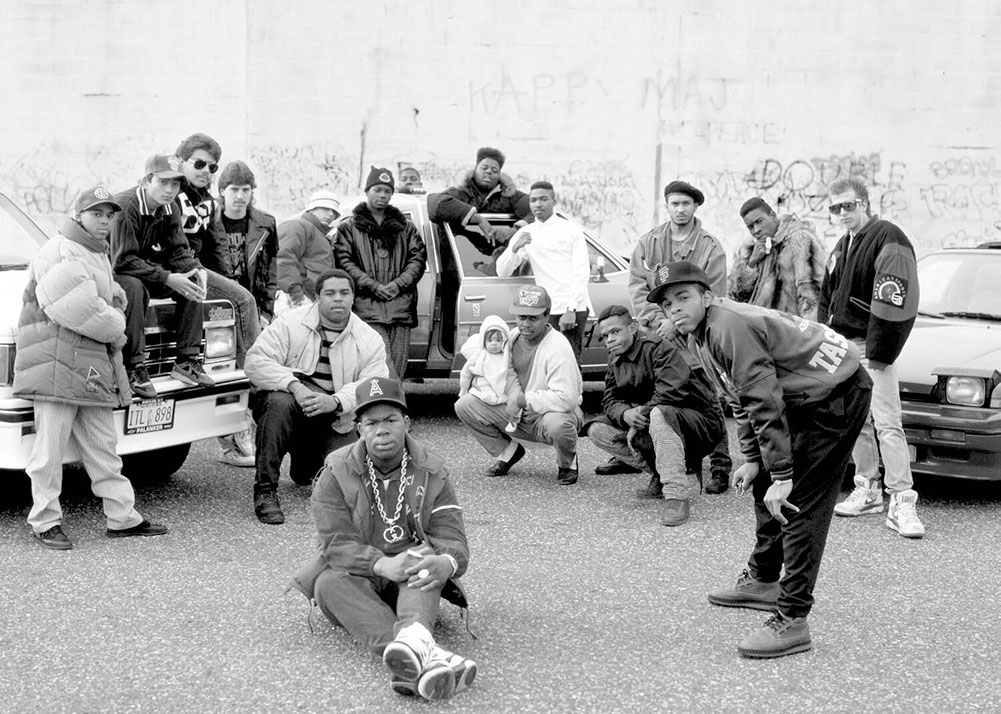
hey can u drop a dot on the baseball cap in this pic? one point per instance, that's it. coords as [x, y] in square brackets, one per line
[165, 166]
[97, 196]
[677, 273]
[379, 390]
[324, 199]
[531, 300]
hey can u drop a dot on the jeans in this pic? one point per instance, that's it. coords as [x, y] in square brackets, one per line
[187, 323]
[575, 335]
[283, 428]
[883, 432]
[487, 424]
[822, 437]
[373, 609]
[248, 322]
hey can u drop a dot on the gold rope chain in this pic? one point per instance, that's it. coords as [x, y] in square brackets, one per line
[393, 531]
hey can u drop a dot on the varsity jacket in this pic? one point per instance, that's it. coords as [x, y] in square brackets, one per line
[654, 372]
[656, 248]
[304, 252]
[262, 254]
[289, 348]
[872, 294]
[784, 273]
[197, 208]
[767, 361]
[72, 325]
[376, 254]
[148, 243]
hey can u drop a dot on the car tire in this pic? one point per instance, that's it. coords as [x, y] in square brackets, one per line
[156, 464]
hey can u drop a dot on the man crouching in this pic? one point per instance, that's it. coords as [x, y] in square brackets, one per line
[390, 532]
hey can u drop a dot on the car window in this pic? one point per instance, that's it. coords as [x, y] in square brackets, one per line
[20, 238]
[960, 282]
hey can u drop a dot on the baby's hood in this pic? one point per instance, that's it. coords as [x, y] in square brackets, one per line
[475, 343]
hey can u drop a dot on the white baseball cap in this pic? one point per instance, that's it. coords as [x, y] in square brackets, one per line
[324, 199]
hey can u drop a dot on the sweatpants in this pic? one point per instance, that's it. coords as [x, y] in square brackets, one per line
[823, 435]
[93, 428]
[373, 609]
[487, 423]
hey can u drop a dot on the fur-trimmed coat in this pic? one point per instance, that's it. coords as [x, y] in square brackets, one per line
[374, 254]
[784, 273]
[458, 204]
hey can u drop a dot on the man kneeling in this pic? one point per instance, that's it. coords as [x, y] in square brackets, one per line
[392, 538]
[660, 412]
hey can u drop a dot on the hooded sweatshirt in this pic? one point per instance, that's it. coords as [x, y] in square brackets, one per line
[486, 375]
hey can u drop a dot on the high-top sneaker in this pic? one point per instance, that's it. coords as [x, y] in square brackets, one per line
[902, 516]
[445, 674]
[867, 497]
[407, 655]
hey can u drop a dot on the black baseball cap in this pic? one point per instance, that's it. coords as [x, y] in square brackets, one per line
[379, 390]
[668, 274]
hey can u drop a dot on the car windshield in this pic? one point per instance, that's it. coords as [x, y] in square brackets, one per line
[20, 238]
[961, 284]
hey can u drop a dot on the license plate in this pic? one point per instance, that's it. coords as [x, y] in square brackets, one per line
[149, 415]
[912, 451]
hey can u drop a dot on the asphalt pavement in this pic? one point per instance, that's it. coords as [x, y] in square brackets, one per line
[581, 602]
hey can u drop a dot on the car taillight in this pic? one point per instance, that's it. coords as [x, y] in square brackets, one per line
[220, 342]
[6, 365]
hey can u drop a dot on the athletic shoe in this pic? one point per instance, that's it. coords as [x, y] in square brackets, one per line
[53, 538]
[267, 508]
[501, 468]
[407, 655]
[190, 371]
[566, 476]
[445, 674]
[233, 457]
[674, 512]
[902, 516]
[748, 592]
[140, 383]
[615, 466]
[143, 529]
[719, 482]
[866, 498]
[780, 636]
[244, 441]
[403, 687]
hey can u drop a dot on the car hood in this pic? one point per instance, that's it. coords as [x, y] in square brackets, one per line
[12, 283]
[937, 344]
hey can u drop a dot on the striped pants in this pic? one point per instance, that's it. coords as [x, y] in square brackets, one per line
[397, 339]
[93, 428]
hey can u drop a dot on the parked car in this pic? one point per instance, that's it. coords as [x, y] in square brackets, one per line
[154, 435]
[950, 368]
[460, 287]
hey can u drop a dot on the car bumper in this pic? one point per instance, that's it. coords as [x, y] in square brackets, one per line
[199, 413]
[958, 442]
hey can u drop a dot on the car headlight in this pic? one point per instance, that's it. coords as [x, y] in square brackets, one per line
[6, 365]
[220, 342]
[969, 391]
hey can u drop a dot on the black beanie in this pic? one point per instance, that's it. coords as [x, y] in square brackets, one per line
[380, 176]
[487, 152]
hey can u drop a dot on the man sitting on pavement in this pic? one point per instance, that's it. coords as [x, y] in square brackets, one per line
[660, 412]
[392, 544]
[557, 251]
[306, 365]
[546, 408]
[305, 251]
[800, 396]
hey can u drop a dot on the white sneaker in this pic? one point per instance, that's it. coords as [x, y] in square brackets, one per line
[445, 674]
[233, 457]
[407, 655]
[866, 498]
[902, 515]
[244, 441]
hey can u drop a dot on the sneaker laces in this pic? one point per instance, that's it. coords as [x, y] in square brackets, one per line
[906, 511]
[777, 623]
[858, 497]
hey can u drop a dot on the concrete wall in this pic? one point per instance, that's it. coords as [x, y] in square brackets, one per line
[610, 101]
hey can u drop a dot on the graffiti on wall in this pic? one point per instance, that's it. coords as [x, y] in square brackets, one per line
[288, 175]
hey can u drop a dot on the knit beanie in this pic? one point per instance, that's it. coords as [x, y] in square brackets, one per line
[487, 152]
[380, 176]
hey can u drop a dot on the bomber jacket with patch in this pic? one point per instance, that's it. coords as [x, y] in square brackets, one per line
[766, 361]
[873, 293]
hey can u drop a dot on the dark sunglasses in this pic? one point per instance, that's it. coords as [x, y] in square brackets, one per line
[837, 208]
[200, 164]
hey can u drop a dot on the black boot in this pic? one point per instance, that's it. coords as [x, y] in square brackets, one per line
[653, 490]
[267, 508]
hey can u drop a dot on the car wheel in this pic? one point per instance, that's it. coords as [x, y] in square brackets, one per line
[156, 464]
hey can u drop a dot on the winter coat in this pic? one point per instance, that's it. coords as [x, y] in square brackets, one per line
[656, 248]
[304, 252]
[72, 325]
[873, 293]
[488, 377]
[376, 254]
[289, 348]
[148, 243]
[458, 204]
[784, 273]
[262, 254]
